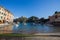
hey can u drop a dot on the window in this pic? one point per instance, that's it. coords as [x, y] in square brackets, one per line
[4, 14]
[1, 17]
[7, 18]
[4, 17]
[56, 16]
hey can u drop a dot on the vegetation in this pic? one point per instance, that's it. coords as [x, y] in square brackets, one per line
[32, 19]
[42, 20]
[17, 35]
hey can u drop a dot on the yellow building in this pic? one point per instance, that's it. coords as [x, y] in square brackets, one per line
[5, 15]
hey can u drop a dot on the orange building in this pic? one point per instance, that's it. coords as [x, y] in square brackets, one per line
[5, 15]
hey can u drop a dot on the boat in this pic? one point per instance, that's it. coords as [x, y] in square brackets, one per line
[16, 25]
[24, 23]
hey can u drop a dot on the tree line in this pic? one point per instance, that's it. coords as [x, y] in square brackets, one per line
[32, 19]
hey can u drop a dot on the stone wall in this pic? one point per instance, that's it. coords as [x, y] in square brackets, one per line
[29, 38]
[6, 29]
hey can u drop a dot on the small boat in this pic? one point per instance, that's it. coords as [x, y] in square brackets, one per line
[16, 25]
[24, 23]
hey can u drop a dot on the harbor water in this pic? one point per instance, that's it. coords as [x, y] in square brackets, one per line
[30, 28]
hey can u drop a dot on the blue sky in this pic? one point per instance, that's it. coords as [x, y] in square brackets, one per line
[39, 8]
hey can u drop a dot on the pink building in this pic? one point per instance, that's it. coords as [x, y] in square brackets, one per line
[55, 17]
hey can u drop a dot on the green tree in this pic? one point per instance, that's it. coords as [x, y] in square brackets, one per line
[33, 19]
[42, 20]
[23, 19]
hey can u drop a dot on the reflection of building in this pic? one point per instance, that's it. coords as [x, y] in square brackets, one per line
[55, 17]
[5, 15]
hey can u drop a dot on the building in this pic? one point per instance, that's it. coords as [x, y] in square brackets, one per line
[5, 15]
[55, 17]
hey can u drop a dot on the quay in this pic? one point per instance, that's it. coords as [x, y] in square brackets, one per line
[31, 37]
[47, 34]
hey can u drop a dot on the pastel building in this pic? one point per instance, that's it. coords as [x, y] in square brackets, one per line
[55, 17]
[5, 15]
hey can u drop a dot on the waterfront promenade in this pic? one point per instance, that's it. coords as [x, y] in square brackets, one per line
[5, 28]
[47, 34]
[36, 36]
[40, 37]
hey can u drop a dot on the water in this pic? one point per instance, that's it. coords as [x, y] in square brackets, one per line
[29, 28]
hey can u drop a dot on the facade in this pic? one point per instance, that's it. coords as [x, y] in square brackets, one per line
[5, 15]
[55, 17]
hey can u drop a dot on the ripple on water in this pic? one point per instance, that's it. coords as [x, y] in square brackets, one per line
[29, 28]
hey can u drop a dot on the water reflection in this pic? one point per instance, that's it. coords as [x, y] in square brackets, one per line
[31, 29]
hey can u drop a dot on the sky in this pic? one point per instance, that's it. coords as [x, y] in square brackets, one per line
[38, 8]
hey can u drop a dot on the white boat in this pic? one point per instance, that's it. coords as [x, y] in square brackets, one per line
[24, 23]
[16, 25]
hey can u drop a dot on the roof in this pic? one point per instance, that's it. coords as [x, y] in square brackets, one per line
[57, 12]
[5, 9]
